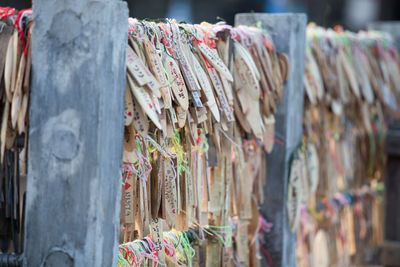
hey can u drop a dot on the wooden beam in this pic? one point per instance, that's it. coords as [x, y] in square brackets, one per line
[288, 34]
[76, 132]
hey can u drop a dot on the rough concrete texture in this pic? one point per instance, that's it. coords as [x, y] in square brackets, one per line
[76, 132]
[288, 33]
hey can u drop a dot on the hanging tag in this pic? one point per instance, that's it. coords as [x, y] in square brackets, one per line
[155, 63]
[4, 127]
[11, 64]
[158, 239]
[156, 178]
[187, 71]
[247, 76]
[5, 36]
[212, 152]
[128, 113]
[22, 113]
[321, 253]
[183, 62]
[285, 66]
[199, 114]
[196, 99]
[129, 155]
[143, 98]
[251, 109]
[312, 166]
[269, 133]
[130, 199]
[207, 89]
[181, 116]
[189, 193]
[177, 83]
[215, 61]
[18, 93]
[246, 185]
[27, 75]
[137, 68]
[242, 247]
[214, 253]
[170, 193]
[349, 71]
[294, 195]
[227, 89]
[239, 114]
[140, 121]
[221, 94]
[173, 117]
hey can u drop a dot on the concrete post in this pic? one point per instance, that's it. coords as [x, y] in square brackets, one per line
[391, 246]
[288, 34]
[76, 132]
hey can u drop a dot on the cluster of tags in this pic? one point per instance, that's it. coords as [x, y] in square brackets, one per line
[352, 88]
[15, 68]
[199, 119]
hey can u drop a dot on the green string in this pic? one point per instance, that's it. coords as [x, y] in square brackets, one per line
[176, 140]
[227, 240]
[187, 248]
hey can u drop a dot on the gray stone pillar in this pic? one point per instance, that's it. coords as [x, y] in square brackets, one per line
[288, 34]
[76, 132]
[391, 246]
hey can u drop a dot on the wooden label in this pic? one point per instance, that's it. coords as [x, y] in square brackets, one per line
[137, 68]
[187, 71]
[5, 36]
[190, 193]
[158, 239]
[130, 199]
[294, 195]
[181, 115]
[228, 90]
[196, 99]
[242, 238]
[155, 63]
[129, 155]
[170, 194]
[128, 113]
[321, 255]
[221, 94]
[206, 86]
[144, 99]
[245, 192]
[177, 82]
[186, 68]
[227, 257]
[140, 121]
[215, 61]
[247, 77]
[269, 133]
[312, 166]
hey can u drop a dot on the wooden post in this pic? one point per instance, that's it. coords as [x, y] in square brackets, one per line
[288, 34]
[76, 133]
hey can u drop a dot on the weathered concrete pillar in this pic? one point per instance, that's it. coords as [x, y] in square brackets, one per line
[288, 34]
[76, 132]
[391, 246]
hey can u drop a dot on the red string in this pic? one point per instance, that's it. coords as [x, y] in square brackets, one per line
[20, 31]
[267, 255]
[6, 12]
[278, 141]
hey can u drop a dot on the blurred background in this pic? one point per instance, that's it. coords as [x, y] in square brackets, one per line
[352, 14]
